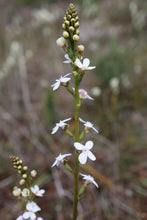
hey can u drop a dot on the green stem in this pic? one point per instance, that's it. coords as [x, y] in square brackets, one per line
[76, 174]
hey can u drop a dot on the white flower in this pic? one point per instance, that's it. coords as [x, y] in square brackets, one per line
[31, 207]
[20, 217]
[39, 218]
[17, 192]
[68, 60]
[84, 95]
[61, 42]
[25, 192]
[61, 124]
[36, 191]
[85, 65]
[85, 151]
[61, 81]
[88, 125]
[59, 159]
[90, 179]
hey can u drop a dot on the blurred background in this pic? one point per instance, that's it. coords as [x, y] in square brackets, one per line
[114, 33]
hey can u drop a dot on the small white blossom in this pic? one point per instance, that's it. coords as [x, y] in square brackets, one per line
[88, 125]
[20, 217]
[25, 192]
[68, 60]
[61, 42]
[85, 65]
[17, 192]
[31, 207]
[61, 81]
[84, 95]
[85, 151]
[39, 218]
[90, 179]
[59, 159]
[37, 191]
[61, 124]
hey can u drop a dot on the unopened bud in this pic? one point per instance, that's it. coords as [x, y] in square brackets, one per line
[25, 168]
[75, 37]
[77, 32]
[80, 48]
[22, 182]
[61, 42]
[71, 28]
[24, 176]
[33, 173]
[63, 26]
[76, 24]
[19, 167]
[67, 22]
[65, 34]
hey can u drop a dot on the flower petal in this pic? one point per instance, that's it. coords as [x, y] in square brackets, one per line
[26, 215]
[86, 62]
[56, 85]
[89, 145]
[78, 146]
[95, 130]
[91, 155]
[82, 120]
[55, 129]
[91, 67]
[78, 63]
[67, 119]
[83, 158]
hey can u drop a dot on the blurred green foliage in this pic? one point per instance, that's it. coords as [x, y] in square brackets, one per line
[112, 63]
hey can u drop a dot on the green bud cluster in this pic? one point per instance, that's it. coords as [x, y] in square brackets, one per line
[71, 24]
[22, 170]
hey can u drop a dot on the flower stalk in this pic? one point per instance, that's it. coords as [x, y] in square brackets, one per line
[73, 56]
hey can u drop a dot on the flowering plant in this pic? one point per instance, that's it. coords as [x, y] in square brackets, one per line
[26, 191]
[74, 57]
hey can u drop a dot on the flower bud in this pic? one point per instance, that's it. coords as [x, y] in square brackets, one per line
[22, 182]
[73, 20]
[24, 176]
[25, 168]
[16, 191]
[80, 48]
[67, 22]
[65, 34]
[63, 26]
[61, 42]
[77, 32]
[75, 37]
[19, 167]
[25, 192]
[71, 28]
[76, 24]
[33, 173]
